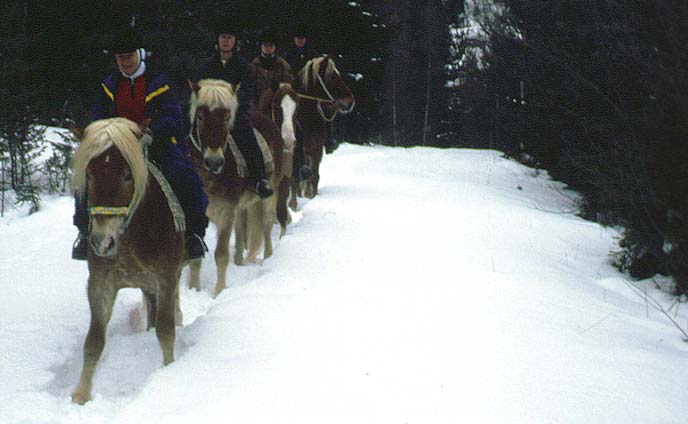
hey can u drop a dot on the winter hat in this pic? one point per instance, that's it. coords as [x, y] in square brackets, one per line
[227, 24]
[299, 30]
[126, 41]
[268, 35]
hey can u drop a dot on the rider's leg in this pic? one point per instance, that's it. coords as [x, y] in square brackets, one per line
[188, 187]
[247, 143]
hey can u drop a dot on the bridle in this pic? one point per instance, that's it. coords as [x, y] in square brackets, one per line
[126, 211]
[196, 140]
[330, 99]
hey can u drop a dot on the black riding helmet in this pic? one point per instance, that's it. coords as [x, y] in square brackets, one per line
[126, 40]
[268, 35]
[227, 24]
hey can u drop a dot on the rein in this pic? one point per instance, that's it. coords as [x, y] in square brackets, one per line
[196, 141]
[321, 100]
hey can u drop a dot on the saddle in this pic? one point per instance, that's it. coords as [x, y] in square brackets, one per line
[172, 201]
[242, 168]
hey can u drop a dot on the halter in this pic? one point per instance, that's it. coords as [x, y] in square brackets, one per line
[196, 141]
[321, 100]
[126, 211]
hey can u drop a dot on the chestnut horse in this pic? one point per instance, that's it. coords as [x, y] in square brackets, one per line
[134, 238]
[323, 95]
[280, 104]
[222, 167]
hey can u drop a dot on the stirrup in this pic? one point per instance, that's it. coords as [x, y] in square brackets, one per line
[80, 248]
[305, 173]
[263, 189]
[194, 247]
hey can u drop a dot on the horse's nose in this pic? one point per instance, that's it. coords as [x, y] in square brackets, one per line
[346, 105]
[214, 164]
[103, 245]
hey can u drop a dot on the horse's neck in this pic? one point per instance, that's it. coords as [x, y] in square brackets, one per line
[148, 209]
[265, 103]
[310, 115]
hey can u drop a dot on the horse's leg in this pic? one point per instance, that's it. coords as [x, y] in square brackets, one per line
[168, 298]
[269, 207]
[295, 187]
[100, 300]
[314, 186]
[240, 234]
[151, 307]
[178, 316]
[254, 222]
[224, 231]
[281, 208]
[195, 274]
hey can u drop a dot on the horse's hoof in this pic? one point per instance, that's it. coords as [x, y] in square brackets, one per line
[218, 291]
[80, 398]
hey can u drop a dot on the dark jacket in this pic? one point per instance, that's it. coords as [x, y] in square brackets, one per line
[235, 71]
[297, 57]
[265, 71]
[162, 108]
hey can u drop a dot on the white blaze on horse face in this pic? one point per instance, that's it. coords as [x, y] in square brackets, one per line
[105, 232]
[288, 106]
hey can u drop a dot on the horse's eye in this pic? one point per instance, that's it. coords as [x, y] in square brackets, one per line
[127, 177]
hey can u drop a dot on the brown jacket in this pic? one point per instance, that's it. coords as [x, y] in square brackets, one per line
[266, 71]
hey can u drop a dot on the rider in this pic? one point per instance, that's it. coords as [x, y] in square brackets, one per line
[297, 55]
[228, 65]
[300, 51]
[268, 67]
[136, 93]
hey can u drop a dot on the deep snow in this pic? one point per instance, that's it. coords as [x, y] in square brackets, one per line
[420, 286]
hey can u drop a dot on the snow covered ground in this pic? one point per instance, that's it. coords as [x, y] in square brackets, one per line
[421, 286]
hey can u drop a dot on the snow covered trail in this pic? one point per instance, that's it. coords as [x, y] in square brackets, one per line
[420, 286]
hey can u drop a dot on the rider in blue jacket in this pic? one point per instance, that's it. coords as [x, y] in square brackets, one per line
[136, 93]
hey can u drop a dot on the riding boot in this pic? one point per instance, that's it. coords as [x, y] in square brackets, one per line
[80, 247]
[305, 173]
[194, 246]
[264, 189]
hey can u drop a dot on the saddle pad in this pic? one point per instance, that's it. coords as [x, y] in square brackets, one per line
[172, 201]
[242, 169]
[265, 150]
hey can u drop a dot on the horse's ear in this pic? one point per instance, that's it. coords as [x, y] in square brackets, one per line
[275, 85]
[193, 86]
[78, 132]
[145, 124]
[235, 87]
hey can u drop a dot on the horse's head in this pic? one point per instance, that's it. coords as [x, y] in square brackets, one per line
[321, 78]
[212, 113]
[286, 100]
[111, 171]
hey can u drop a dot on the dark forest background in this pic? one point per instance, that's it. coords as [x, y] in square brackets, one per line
[593, 91]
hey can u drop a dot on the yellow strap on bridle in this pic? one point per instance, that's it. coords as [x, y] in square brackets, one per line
[103, 210]
[114, 211]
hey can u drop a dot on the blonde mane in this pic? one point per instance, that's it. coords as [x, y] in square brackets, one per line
[214, 94]
[308, 74]
[100, 136]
